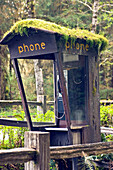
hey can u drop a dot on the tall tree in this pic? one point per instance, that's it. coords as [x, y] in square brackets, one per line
[95, 15]
[30, 13]
[95, 7]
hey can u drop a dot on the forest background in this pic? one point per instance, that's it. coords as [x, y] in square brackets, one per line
[93, 15]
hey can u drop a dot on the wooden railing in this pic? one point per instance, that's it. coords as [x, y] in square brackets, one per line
[19, 102]
[35, 103]
[17, 155]
[106, 130]
[37, 152]
[107, 102]
[10, 122]
[42, 104]
[65, 152]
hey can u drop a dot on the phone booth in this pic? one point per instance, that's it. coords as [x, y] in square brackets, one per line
[81, 76]
[76, 77]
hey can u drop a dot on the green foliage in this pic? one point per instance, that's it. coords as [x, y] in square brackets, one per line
[49, 116]
[12, 88]
[106, 76]
[106, 93]
[103, 137]
[86, 162]
[13, 137]
[106, 119]
[67, 13]
[53, 165]
[97, 162]
[48, 84]
[102, 161]
[106, 115]
[12, 111]
[109, 137]
[19, 166]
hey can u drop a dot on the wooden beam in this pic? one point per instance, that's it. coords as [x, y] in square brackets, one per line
[106, 130]
[71, 151]
[106, 102]
[18, 155]
[18, 102]
[64, 95]
[22, 93]
[9, 122]
[21, 155]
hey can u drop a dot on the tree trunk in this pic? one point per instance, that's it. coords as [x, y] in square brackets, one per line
[29, 11]
[37, 66]
[39, 83]
[95, 15]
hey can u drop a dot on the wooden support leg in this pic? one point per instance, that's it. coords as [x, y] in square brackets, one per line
[22, 93]
[64, 96]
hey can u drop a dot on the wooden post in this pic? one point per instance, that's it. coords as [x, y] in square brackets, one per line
[41, 142]
[44, 104]
[22, 93]
[64, 96]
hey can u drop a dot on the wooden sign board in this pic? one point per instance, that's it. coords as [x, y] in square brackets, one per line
[36, 44]
[79, 47]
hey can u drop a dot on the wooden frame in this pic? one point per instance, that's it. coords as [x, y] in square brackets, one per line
[43, 44]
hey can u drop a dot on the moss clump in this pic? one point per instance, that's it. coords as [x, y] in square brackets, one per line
[20, 27]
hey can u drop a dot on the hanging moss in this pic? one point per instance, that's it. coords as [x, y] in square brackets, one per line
[22, 26]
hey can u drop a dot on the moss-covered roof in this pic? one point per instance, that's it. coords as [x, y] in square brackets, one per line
[20, 27]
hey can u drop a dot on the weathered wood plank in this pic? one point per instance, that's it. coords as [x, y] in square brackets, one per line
[46, 39]
[35, 103]
[18, 102]
[65, 152]
[22, 93]
[41, 147]
[18, 155]
[9, 122]
[106, 102]
[106, 130]
[41, 142]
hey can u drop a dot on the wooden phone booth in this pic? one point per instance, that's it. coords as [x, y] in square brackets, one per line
[76, 77]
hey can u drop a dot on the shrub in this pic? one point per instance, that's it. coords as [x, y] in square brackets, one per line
[106, 115]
